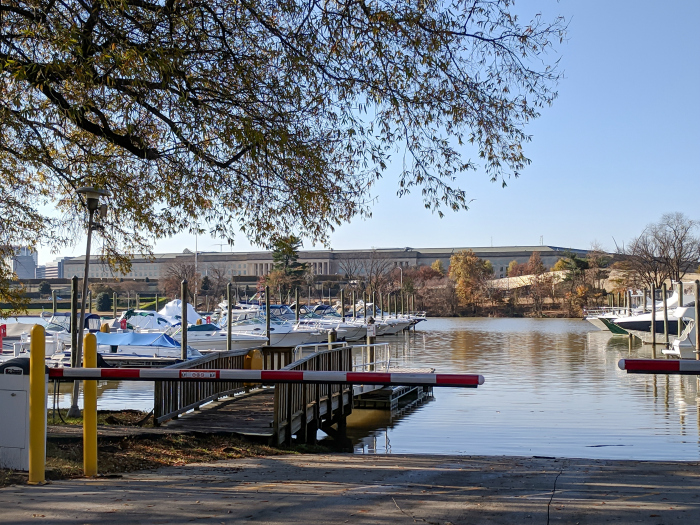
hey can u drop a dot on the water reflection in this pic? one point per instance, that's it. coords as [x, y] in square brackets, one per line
[111, 395]
[552, 388]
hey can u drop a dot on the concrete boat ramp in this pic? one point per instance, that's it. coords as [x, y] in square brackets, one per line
[347, 488]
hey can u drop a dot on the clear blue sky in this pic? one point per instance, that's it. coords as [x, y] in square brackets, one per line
[617, 149]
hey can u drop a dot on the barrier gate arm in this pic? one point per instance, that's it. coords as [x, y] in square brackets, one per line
[660, 366]
[269, 376]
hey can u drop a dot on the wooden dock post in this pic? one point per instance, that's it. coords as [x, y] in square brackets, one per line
[413, 309]
[114, 304]
[267, 315]
[665, 306]
[629, 302]
[644, 310]
[155, 307]
[680, 303]
[342, 304]
[89, 301]
[653, 320]
[183, 319]
[354, 306]
[296, 304]
[229, 297]
[697, 319]
[332, 338]
[381, 304]
[364, 304]
[53, 301]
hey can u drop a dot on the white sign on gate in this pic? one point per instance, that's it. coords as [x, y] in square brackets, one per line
[371, 330]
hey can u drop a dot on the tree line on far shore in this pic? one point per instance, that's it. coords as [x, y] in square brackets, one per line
[665, 251]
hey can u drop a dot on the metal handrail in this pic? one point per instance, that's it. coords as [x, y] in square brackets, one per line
[374, 358]
[172, 398]
[300, 351]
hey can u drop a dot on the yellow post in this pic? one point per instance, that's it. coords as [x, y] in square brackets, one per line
[37, 406]
[105, 328]
[90, 408]
[252, 361]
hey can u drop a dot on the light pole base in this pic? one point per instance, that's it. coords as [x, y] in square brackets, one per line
[74, 411]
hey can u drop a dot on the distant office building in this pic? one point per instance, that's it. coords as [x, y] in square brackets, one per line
[321, 262]
[54, 269]
[23, 263]
[40, 272]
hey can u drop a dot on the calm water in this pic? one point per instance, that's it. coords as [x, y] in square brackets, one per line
[552, 389]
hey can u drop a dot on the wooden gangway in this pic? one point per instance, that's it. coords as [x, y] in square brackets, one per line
[272, 414]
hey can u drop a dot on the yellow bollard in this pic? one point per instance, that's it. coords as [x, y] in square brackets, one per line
[105, 328]
[252, 361]
[90, 408]
[37, 406]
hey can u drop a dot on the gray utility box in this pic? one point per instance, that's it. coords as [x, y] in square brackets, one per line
[14, 414]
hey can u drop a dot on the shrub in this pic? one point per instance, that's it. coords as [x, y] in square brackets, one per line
[104, 302]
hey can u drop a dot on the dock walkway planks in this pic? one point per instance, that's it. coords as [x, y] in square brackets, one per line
[247, 415]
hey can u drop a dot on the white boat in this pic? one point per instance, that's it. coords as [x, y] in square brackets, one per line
[57, 330]
[148, 320]
[640, 324]
[683, 346]
[281, 333]
[211, 337]
[602, 316]
[173, 311]
[131, 345]
[326, 318]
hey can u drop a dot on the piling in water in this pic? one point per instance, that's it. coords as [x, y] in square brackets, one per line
[653, 322]
[665, 307]
[183, 319]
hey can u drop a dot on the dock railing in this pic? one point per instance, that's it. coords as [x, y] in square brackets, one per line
[277, 357]
[172, 398]
[371, 358]
[302, 351]
[301, 408]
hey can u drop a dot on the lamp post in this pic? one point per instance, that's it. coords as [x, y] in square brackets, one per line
[92, 202]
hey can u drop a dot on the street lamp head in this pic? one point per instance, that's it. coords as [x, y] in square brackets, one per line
[92, 196]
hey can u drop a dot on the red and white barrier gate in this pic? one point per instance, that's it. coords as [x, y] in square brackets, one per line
[269, 376]
[660, 366]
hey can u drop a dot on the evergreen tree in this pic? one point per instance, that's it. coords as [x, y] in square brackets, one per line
[285, 255]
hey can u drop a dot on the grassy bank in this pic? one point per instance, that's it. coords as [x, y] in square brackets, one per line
[65, 460]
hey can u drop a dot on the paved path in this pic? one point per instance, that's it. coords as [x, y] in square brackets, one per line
[306, 489]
